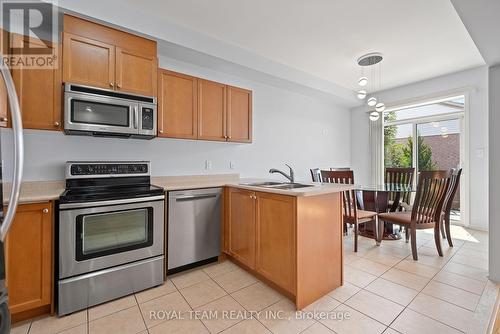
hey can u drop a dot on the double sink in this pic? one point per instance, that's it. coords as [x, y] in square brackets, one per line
[279, 185]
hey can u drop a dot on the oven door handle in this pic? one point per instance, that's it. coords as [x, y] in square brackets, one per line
[111, 202]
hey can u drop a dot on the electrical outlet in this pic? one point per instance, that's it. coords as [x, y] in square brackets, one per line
[231, 165]
[208, 164]
[325, 132]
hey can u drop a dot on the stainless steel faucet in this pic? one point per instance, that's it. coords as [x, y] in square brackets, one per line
[290, 177]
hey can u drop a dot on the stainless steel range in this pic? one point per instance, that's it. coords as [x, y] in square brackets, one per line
[110, 231]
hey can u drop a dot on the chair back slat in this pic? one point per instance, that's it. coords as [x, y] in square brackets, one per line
[349, 197]
[431, 192]
[315, 174]
[400, 176]
[455, 174]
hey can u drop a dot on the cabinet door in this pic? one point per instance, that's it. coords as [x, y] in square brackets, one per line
[211, 110]
[242, 226]
[239, 115]
[88, 62]
[4, 103]
[37, 88]
[275, 258]
[135, 72]
[28, 257]
[177, 105]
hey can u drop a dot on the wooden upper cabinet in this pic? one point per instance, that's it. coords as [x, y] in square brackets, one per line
[275, 253]
[4, 104]
[239, 115]
[177, 105]
[40, 94]
[211, 110]
[101, 56]
[87, 61]
[242, 226]
[29, 259]
[136, 72]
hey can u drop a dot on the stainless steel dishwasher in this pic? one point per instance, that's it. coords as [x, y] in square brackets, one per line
[194, 219]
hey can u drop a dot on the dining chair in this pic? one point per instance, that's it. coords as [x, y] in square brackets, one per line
[455, 174]
[352, 215]
[426, 212]
[315, 174]
[399, 176]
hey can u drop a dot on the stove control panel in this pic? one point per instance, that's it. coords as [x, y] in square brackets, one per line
[107, 169]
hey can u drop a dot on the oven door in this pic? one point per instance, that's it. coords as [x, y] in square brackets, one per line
[99, 235]
[94, 113]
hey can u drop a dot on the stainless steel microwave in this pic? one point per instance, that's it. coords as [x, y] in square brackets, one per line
[101, 112]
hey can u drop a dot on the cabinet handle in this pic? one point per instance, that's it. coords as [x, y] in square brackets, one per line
[45, 210]
[4, 119]
[111, 84]
[161, 131]
[56, 124]
[119, 85]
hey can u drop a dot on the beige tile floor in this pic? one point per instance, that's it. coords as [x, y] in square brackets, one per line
[385, 291]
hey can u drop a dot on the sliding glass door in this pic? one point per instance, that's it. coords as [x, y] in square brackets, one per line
[428, 137]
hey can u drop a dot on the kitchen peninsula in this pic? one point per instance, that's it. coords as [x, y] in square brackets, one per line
[289, 238]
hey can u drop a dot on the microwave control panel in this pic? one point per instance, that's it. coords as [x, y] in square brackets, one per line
[147, 118]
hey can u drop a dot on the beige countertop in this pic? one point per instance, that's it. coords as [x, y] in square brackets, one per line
[40, 191]
[315, 188]
[36, 191]
[194, 181]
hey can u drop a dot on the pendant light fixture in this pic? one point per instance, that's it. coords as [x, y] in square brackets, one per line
[374, 116]
[372, 81]
[361, 94]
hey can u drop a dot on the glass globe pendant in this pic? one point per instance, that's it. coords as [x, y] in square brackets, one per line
[361, 94]
[363, 81]
[380, 107]
[372, 101]
[374, 116]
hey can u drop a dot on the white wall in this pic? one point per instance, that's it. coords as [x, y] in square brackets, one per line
[288, 127]
[477, 79]
[494, 186]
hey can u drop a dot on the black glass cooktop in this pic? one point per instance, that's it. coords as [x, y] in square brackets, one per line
[93, 194]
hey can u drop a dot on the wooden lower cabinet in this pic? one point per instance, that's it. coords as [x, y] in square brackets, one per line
[29, 261]
[275, 258]
[241, 228]
[293, 243]
[261, 232]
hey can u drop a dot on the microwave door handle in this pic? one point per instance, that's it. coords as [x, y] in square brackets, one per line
[136, 117]
[17, 128]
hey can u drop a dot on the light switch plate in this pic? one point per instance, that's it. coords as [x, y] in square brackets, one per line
[208, 164]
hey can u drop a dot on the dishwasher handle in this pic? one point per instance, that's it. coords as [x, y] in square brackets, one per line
[194, 197]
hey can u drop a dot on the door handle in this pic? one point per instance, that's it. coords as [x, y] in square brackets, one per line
[136, 116]
[189, 198]
[17, 128]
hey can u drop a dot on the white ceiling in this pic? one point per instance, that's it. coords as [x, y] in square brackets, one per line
[419, 39]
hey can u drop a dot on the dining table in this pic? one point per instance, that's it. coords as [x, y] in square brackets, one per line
[381, 198]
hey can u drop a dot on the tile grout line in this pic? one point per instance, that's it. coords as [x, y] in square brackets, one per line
[140, 311]
[420, 291]
[407, 307]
